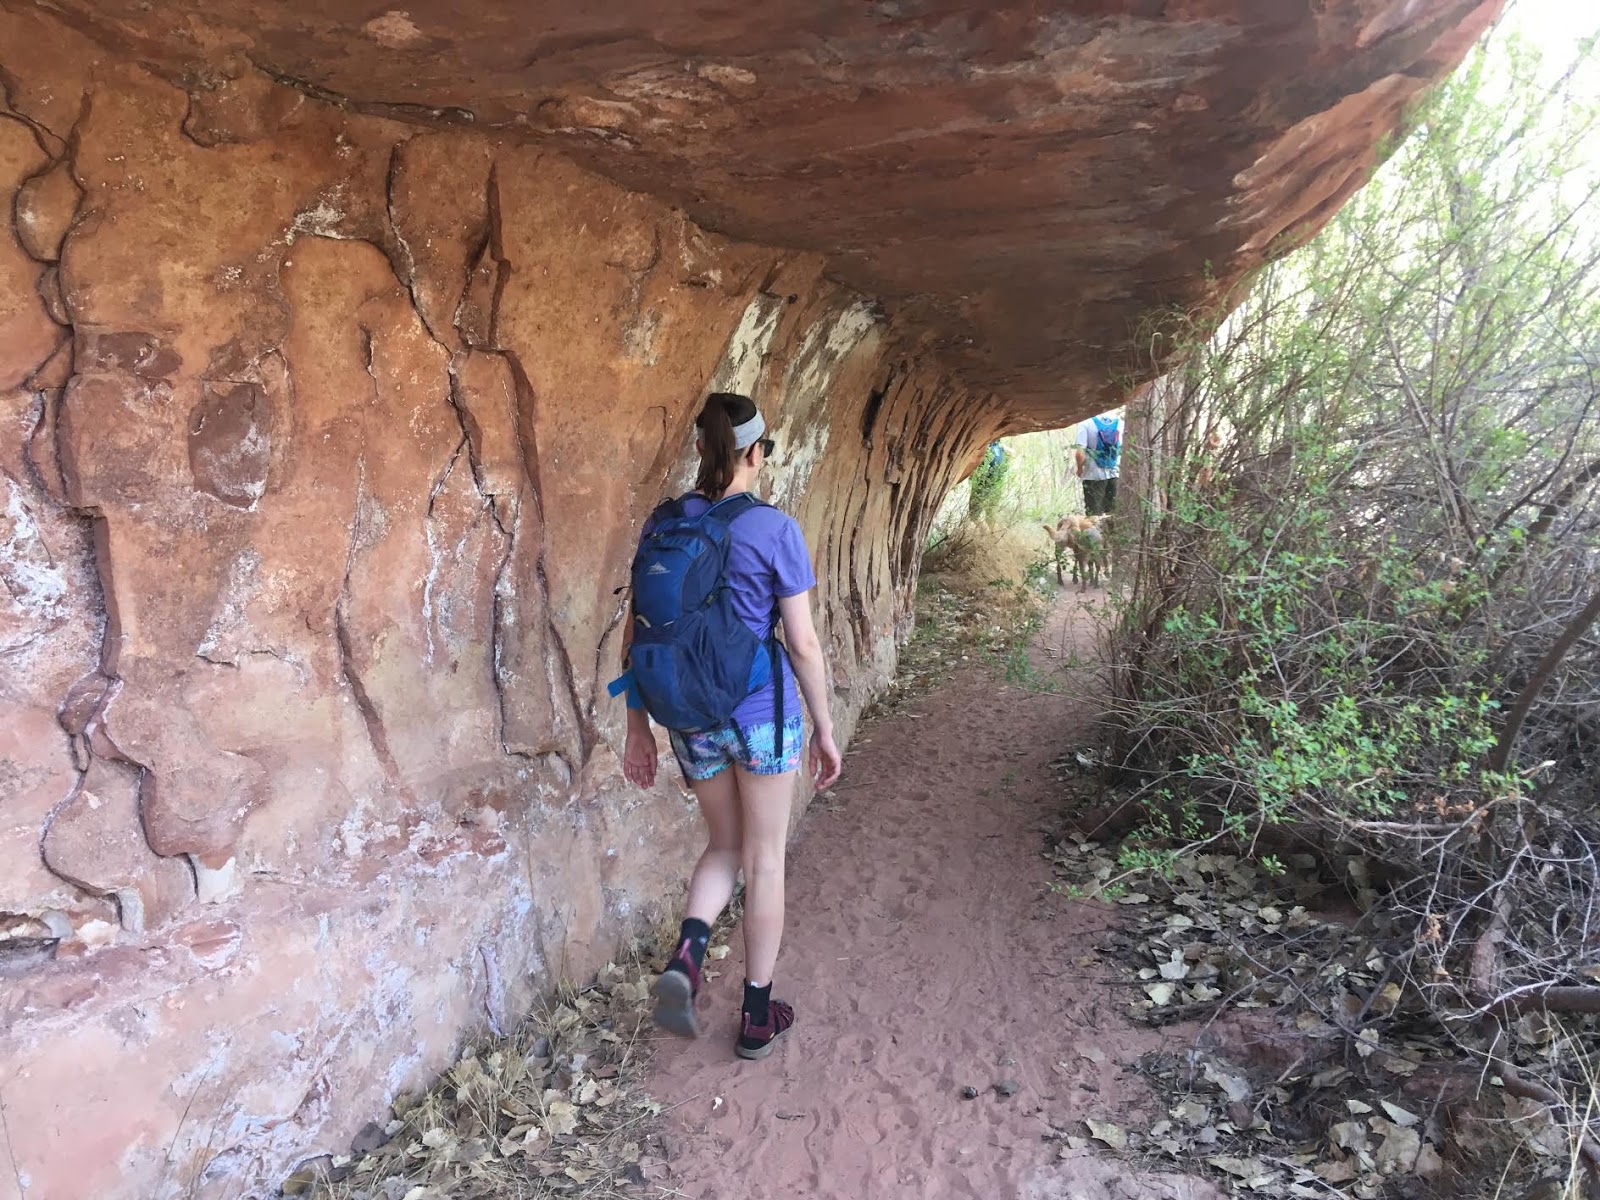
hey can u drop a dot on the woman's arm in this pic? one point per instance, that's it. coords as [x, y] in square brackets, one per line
[639, 751]
[810, 672]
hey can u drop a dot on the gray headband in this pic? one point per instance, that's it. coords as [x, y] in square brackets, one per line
[748, 434]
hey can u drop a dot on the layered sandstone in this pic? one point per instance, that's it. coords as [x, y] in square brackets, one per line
[1027, 180]
[328, 417]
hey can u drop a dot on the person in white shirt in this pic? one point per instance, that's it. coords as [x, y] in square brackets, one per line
[1098, 455]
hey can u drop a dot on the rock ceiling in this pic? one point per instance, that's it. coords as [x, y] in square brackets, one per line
[1027, 182]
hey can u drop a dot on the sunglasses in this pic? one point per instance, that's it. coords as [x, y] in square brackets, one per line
[767, 447]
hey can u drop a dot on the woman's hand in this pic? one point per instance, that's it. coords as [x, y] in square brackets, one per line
[825, 760]
[639, 755]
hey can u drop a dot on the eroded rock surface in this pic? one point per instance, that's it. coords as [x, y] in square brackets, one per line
[319, 475]
[1030, 180]
[328, 418]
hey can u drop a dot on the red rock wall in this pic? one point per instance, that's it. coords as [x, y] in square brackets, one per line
[324, 443]
[1030, 180]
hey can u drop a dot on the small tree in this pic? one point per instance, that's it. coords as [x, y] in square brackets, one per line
[988, 483]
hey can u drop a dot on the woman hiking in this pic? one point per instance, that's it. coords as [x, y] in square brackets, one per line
[741, 766]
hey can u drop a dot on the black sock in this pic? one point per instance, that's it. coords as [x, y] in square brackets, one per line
[698, 934]
[756, 1000]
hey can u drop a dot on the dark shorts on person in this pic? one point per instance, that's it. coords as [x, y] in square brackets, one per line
[1099, 496]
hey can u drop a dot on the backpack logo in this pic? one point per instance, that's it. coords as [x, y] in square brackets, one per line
[657, 569]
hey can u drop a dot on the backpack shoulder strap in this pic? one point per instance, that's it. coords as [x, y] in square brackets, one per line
[730, 508]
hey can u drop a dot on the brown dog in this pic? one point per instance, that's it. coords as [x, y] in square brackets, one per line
[1085, 539]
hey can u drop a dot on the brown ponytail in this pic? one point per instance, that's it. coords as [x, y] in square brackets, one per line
[718, 455]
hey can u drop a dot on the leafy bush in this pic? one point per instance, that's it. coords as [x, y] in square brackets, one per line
[1371, 507]
[1362, 611]
[987, 484]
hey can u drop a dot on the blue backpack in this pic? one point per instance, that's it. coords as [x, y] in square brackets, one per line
[692, 660]
[1106, 445]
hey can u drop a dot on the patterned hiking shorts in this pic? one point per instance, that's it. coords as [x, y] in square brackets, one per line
[704, 755]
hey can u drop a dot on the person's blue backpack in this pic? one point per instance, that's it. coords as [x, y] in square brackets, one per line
[1106, 445]
[692, 660]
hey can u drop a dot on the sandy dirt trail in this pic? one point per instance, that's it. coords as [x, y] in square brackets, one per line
[925, 953]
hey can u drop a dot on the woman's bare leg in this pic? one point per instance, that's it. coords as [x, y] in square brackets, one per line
[710, 889]
[764, 803]
[711, 885]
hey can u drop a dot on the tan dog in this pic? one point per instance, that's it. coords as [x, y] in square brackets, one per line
[1085, 538]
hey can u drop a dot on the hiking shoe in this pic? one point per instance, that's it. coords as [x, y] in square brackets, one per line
[756, 1041]
[675, 990]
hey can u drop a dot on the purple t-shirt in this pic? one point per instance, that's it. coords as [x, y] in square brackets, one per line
[767, 562]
